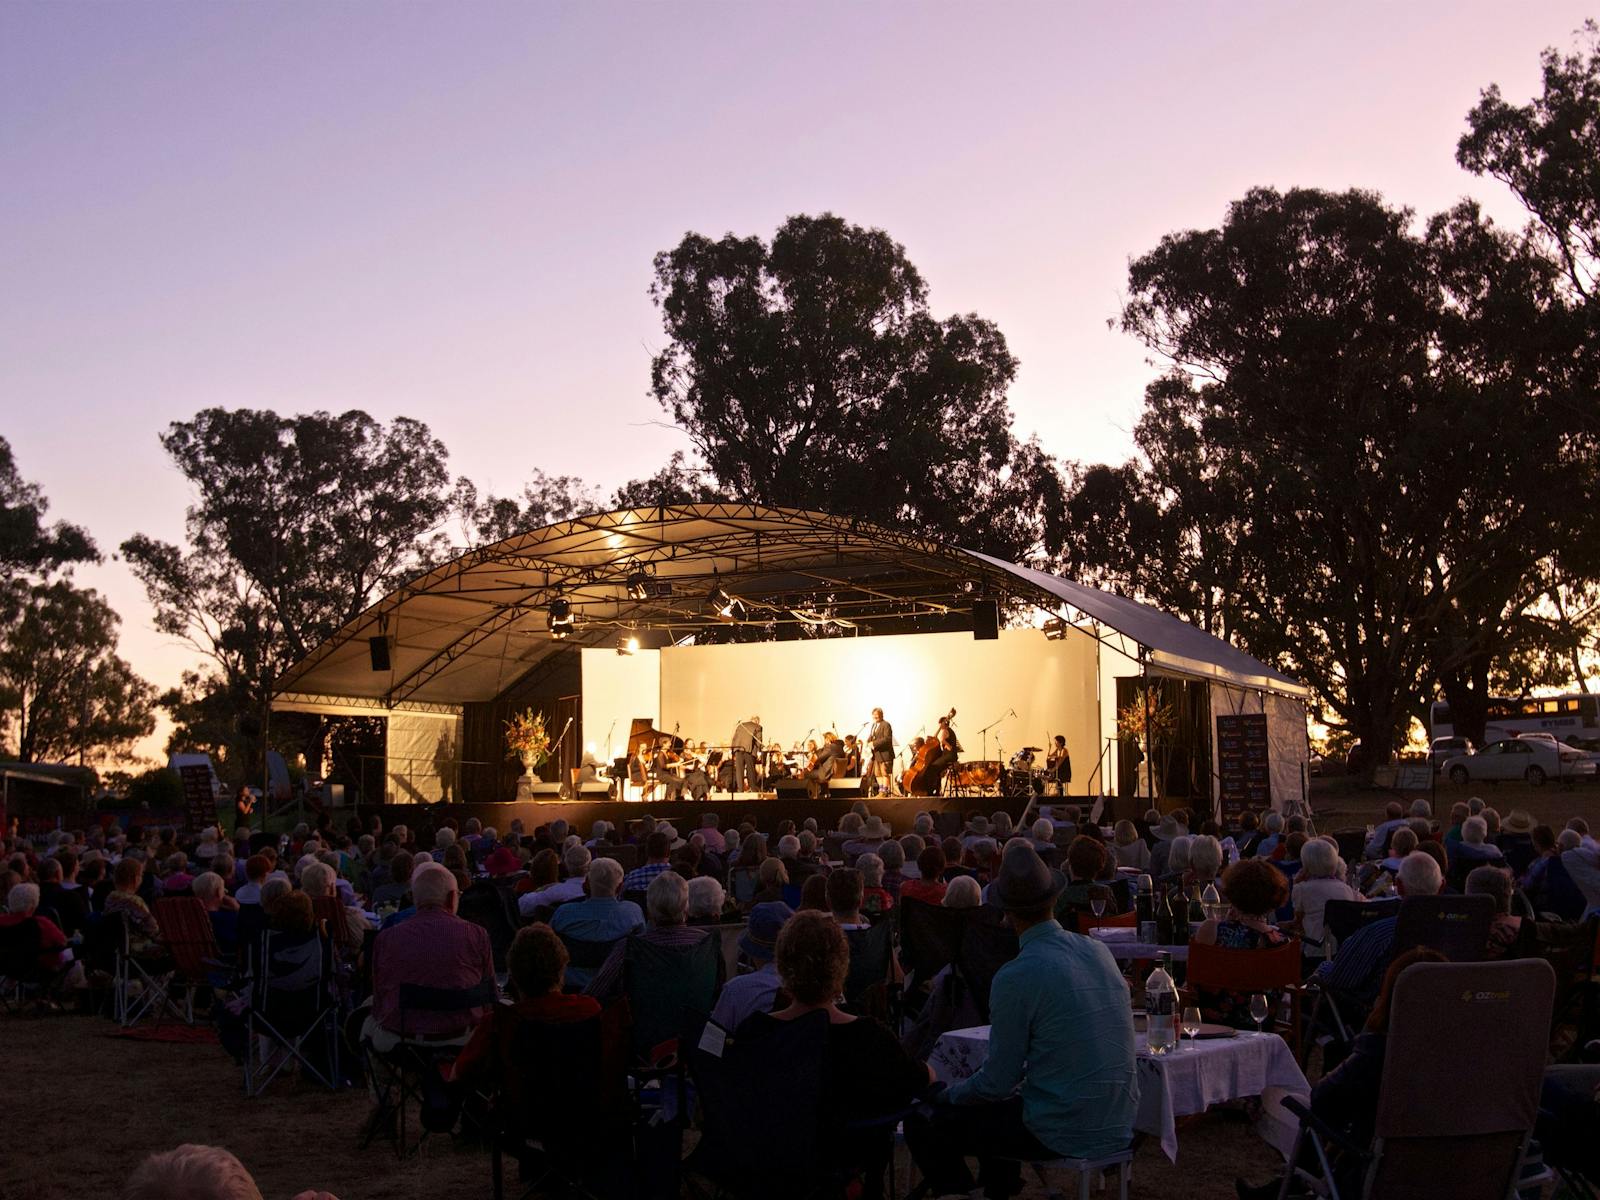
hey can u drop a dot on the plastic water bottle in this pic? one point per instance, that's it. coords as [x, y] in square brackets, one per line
[1161, 1008]
[1211, 902]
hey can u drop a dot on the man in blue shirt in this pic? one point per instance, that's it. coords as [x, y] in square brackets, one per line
[602, 918]
[1062, 1029]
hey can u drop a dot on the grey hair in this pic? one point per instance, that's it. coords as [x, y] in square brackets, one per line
[788, 846]
[851, 822]
[191, 1170]
[705, 897]
[605, 877]
[1420, 874]
[963, 892]
[432, 885]
[1474, 830]
[892, 854]
[1273, 822]
[871, 868]
[1318, 860]
[274, 887]
[317, 880]
[1421, 808]
[207, 885]
[923, 825]
[576, 860]
[666, 900]
[1475, 805]
[1205, 855]
[1568, 839]
[1044, 830]
[22, 898]
[807, 840]
[445, 838]
[1178, 855]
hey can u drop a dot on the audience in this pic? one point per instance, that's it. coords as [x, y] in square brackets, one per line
[756, 991]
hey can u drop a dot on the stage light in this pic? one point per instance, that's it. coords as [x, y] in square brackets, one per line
[1055, 629]
[639, 585]
[627, 644]
[559, 619]
[726, 607]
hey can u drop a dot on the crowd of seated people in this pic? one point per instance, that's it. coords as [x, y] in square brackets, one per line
[798, 892]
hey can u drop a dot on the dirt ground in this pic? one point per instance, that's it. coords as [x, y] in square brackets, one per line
[86, 1107]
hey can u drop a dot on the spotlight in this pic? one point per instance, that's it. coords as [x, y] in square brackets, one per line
[639, 585]
[726, 607]
[559, 619]
[1055, 629]
[627, 644]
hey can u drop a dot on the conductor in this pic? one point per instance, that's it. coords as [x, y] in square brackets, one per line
[746, 744]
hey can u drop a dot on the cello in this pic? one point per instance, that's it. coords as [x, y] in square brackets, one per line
[914, 781]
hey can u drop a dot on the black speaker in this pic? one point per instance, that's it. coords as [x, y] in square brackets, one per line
[789, 789]
[985, 620]
[378, 647]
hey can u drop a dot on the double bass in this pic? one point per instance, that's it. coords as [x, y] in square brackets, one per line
[917, 779]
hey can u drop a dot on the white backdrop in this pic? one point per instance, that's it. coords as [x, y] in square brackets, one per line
[801, 688]
[616, 689]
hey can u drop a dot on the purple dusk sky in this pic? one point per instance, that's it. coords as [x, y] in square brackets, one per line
[448, 210]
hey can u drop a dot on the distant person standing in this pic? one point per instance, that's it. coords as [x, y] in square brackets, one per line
[1059, 765]
[746, 744]
[880, 741]
[244, 805]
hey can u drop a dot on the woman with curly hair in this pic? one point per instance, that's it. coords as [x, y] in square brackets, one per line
[1254, 890]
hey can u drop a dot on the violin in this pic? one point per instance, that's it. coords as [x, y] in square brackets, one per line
[918, 778]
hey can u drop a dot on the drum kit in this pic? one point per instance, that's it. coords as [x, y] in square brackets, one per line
[1023, 777]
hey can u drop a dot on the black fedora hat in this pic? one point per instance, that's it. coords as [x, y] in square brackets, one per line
[1024, 881]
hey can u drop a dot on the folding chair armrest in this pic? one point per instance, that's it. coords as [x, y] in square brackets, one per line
[1323, 1130]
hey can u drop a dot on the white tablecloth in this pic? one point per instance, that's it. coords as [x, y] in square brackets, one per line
[1124, 946]
[1186, 1081]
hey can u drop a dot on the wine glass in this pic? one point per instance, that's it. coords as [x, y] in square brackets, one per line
[1097, 903]
[1258, 1010]
[1191, 1022]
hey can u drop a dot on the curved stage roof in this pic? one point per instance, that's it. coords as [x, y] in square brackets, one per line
[468, 630]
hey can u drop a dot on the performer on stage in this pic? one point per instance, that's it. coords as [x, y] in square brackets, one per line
[696, 783]
[880, 741]
[746, 742]
[664, 768]
[852, 758]
[1058, 765]
[949, 751]
[825, 761]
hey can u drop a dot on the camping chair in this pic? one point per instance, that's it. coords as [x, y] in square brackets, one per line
[743, 884]
[291, 1009]
[481, 904]
[758, 1140]
[410, 1071]
[1456, 1125]
[584, 959]
[574, 1129]
[1568, 1116]
[869, 987]
[1341, 918]
[987, 944]
[627, 857]
[669, 991]
[189, 940]
[20, 970]
[1455, 926]
[930, 937]
[1272, 969]
[140, 982]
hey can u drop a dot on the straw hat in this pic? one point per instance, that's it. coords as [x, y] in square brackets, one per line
[1024, 881]
[1517, 822]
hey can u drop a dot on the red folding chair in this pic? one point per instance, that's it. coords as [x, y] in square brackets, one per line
[1271, 969]
[188, 939]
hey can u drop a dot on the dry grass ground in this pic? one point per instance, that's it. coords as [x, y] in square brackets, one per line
[84, 1108]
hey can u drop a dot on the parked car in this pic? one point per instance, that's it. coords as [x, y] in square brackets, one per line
[1448, 747]
[1533, 759]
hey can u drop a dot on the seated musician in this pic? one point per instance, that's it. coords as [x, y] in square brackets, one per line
[948, 754]
[825, 764]
[664, 768]
[696, 782]
[852, 757]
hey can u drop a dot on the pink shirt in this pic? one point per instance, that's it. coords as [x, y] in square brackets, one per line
[435, 949]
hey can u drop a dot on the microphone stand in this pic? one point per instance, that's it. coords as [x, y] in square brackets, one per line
[1010, 712]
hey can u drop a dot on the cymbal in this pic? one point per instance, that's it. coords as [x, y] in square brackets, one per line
[1035, 749]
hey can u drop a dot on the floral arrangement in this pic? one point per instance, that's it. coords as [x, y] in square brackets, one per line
[1132, 718]
[527, 739]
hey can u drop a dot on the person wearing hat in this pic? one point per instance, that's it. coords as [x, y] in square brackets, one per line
[1059, 1080]
[756, 991]
[1516, 841]
[871, 837]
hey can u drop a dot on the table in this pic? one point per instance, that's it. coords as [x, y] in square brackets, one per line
[1187, 1081]
[1125, 947]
